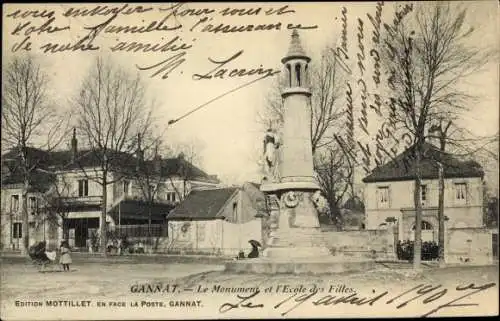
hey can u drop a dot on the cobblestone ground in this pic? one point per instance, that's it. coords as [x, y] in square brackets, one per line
[201, 279]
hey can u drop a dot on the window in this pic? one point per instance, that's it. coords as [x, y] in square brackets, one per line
[171, 196]
[83, 187]
[14, 203]
[383, 196]
[297, 74]
[423, 194]
[427, 232]
[461, 193]
[125, 186]
[33, 205]
[289, 75]
[17, 230]
[426, 226]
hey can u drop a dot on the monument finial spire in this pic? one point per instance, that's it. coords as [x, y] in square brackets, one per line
[295, 50]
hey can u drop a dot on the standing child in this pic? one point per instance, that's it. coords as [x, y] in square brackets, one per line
[65, 259]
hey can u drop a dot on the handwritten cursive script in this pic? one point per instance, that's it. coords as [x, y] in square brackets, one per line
[243, 303]
[221, 73]
[424, 294]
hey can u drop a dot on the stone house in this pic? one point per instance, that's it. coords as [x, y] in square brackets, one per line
[65, 199]
[389, 193]
[389, 201]
[218, 221]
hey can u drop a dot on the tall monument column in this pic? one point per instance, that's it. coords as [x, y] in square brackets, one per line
[295, 232]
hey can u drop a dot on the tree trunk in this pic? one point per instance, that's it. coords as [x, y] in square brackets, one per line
[66, 233]
[417, 244]
[149, 221]
[103, 229]
[441, 216]
[25, 218]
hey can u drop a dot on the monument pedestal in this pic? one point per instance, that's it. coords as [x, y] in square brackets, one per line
[297, 233]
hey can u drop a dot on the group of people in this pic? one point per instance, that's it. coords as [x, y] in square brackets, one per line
[429, 252]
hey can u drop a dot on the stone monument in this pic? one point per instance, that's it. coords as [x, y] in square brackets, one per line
[295, 243]
[289, 177]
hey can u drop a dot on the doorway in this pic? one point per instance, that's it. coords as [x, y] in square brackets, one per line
[79, 230]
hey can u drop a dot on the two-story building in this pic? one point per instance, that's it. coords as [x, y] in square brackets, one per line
[389, 194]
[66, 196]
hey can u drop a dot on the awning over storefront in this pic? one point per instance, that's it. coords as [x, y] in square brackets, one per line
[139, 210]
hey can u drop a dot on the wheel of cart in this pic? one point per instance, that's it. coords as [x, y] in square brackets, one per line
[42, 258]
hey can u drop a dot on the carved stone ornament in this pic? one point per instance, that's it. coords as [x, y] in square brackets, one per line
[291, 199]
[185, 227]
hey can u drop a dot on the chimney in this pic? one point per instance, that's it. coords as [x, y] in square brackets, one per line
[140, 153]
[157, 164]
[157, 161]
[74, 145]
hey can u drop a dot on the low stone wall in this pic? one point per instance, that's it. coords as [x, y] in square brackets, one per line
[375, 244]
[468, 246]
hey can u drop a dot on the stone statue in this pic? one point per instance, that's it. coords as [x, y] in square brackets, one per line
[271, 144]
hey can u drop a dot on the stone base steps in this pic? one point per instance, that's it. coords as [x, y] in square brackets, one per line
[302, 238]
[277, 267]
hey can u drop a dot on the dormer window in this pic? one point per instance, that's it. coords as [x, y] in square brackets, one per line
[83, 188]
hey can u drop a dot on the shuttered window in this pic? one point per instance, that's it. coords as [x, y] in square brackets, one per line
[383, 196]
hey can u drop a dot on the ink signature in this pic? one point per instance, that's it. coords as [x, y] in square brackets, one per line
[422, 293]
[243, 303]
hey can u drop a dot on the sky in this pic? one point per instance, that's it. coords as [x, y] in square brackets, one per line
[227, 128]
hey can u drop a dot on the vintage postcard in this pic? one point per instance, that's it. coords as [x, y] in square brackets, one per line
[249, 160]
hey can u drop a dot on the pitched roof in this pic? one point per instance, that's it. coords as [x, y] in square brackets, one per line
[171, 166]
[126, 162]
[402, 167]
[204, 204]
[139, 210]
[39, 179]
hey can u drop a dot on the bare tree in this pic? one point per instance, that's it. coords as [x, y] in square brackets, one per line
[189, 158]
[112, 110]
[428, 61]
[55, 208]
[28, 115]
[149, 175]
[326, 113]
[334, 175]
